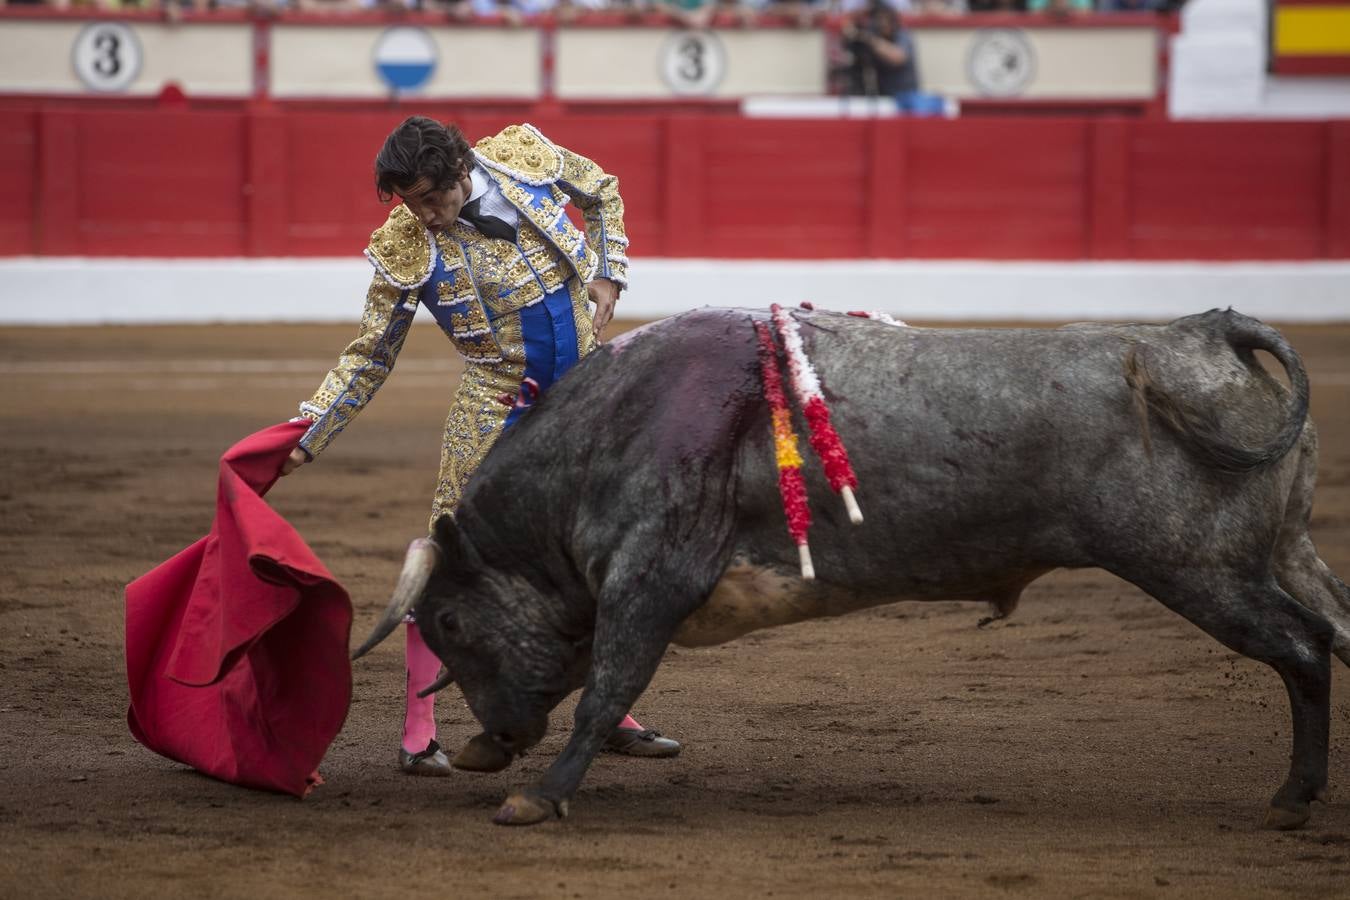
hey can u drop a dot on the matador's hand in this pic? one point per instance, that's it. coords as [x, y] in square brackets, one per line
[604, 294]
[297, 459]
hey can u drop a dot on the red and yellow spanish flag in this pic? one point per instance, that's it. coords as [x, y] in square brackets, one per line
[1312, 37]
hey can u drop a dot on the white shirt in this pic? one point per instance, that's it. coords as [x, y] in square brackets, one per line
[494, 203]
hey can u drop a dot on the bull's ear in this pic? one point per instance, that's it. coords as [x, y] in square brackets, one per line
[456, 553]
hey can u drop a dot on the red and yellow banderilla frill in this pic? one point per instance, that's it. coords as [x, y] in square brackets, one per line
[824, 439]
[791, 484]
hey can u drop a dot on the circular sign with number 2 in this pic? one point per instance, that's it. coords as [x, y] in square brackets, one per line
[106, 56]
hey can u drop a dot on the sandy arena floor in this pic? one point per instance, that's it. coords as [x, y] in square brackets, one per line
[1093, 746]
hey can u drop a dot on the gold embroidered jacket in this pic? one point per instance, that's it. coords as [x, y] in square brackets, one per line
[474, 284]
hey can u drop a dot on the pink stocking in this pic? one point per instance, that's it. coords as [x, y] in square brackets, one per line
[419, 721]
[630, 722]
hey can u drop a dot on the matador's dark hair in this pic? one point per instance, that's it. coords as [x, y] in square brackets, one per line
[420, 147]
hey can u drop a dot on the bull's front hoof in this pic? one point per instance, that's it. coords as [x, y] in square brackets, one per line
[482, 754]
[1280, 818]
[526, 809]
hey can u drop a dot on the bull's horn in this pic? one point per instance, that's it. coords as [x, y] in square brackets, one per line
[439, 684]
[417, 566]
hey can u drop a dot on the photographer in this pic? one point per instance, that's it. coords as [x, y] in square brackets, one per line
[880, 55]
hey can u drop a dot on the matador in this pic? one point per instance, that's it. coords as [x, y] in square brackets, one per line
[483, 241]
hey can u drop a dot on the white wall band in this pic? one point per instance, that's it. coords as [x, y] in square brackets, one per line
[125, 291]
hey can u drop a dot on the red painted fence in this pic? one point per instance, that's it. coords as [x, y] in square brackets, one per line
[266, 182]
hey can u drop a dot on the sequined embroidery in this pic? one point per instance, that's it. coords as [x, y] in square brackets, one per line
[455, 291]
[362, 367]
[581, 313]
[402, 250]
[470, 324]
[554, 227]
[476, 417]
[521, 152]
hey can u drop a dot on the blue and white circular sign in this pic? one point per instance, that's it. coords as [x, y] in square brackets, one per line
[405, 57]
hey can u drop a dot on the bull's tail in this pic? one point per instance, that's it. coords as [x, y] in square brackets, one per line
[1201, 427]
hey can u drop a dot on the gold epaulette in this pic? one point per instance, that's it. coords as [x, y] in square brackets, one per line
[402, 250]
[523, 153]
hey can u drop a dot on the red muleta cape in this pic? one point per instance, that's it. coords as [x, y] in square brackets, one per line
[237, 647]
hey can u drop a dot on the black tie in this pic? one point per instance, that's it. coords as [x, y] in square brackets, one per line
[489, 226]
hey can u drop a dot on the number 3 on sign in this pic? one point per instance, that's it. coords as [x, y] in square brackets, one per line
[106, 56]
[693, 63]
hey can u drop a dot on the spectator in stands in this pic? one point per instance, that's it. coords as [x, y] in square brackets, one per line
[335, 7]
[1138, 5]
[879, 53]
[853, 7]
[1060, 7]
[570, 9]
[515, 11]
[941, 7]
[905, 7]
[998, 6]
[804, 12]
[256, 5]
[689, 13]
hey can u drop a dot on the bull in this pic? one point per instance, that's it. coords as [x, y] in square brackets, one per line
[636, 506]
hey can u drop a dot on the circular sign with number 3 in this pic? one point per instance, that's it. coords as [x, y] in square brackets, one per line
[106, 56]
[693, 63]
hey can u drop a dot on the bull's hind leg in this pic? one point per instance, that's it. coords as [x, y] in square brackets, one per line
[1261, 621]
[1298, 568]
[1302, 573]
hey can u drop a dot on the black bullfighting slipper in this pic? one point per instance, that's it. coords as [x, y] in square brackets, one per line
[641, 742]
[431, 761]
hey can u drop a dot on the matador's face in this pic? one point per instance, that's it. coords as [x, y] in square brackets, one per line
[436, 208]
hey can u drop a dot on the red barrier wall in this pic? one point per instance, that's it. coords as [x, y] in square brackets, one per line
[264, 182]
